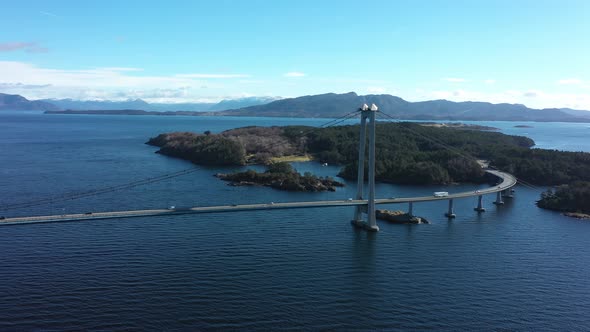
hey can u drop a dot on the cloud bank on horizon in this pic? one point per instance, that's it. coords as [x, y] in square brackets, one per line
[185, 54]
[123, 83]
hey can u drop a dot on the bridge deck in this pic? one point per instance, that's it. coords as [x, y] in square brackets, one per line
[508, 181]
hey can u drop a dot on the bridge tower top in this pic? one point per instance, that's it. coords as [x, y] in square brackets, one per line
[366, 107]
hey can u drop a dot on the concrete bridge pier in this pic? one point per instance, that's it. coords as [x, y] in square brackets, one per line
[499, 200]
[480, 207]
[507, 194]
[411, 209]
[450, 213]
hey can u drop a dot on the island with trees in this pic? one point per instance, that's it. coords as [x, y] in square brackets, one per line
[572, 199]
[281, 175]
[407, 153]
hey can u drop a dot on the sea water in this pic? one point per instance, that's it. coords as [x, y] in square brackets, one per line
[514, 267]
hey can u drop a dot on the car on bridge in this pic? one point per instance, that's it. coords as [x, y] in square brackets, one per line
[180, 208]
[441, 194]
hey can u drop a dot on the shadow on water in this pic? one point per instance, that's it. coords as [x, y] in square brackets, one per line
[364, 248]
[364, 269]
[505, 210]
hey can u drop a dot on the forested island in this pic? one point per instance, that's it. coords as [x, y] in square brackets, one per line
[407, 153]
[281, 175]
[574, 199]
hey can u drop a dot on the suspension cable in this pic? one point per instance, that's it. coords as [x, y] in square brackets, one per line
[97, 191]
[141, 182]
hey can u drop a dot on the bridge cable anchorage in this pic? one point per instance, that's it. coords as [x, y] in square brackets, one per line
[141, 182]
[453, 149]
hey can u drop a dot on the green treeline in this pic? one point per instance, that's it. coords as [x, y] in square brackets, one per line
[406, 152]
[543, 167]
[202, 149]
[282, 176]
[416, 154]
[574, 197]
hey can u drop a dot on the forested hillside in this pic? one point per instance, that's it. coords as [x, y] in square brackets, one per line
[406, 152]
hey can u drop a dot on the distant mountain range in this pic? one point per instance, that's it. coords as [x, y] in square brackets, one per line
[334, 105]
[138, 104]
[16, 103]
[327, 105]
[20, 103]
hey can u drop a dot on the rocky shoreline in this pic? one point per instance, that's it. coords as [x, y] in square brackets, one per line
[399, 217]
[283, 177]
[577, 215]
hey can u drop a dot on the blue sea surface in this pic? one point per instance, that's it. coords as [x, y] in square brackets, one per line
[514, 267]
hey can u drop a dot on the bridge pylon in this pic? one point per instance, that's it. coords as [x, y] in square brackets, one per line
[367, 115]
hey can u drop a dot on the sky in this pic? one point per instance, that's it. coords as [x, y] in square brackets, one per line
[528, 52]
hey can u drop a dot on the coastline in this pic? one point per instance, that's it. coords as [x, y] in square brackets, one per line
[416, 119]
[576, 215]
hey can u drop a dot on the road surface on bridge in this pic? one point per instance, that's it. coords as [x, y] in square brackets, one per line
[507, 182]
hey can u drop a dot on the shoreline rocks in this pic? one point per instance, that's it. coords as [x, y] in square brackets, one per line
[399, 217]
[289, 181]
[577, 215]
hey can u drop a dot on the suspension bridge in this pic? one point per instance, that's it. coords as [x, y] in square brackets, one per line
[363, 206]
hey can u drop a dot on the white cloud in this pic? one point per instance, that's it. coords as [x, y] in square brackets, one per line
[251, 81]
[19, 85]
[294, 74]
[532, 94]
[48, 14]
[454, 80]
[212, 76]
[569, 81]
[531, 98]
[25, 73]
[376, 89]
[489, 81]
[116, 83]
[121, 69]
